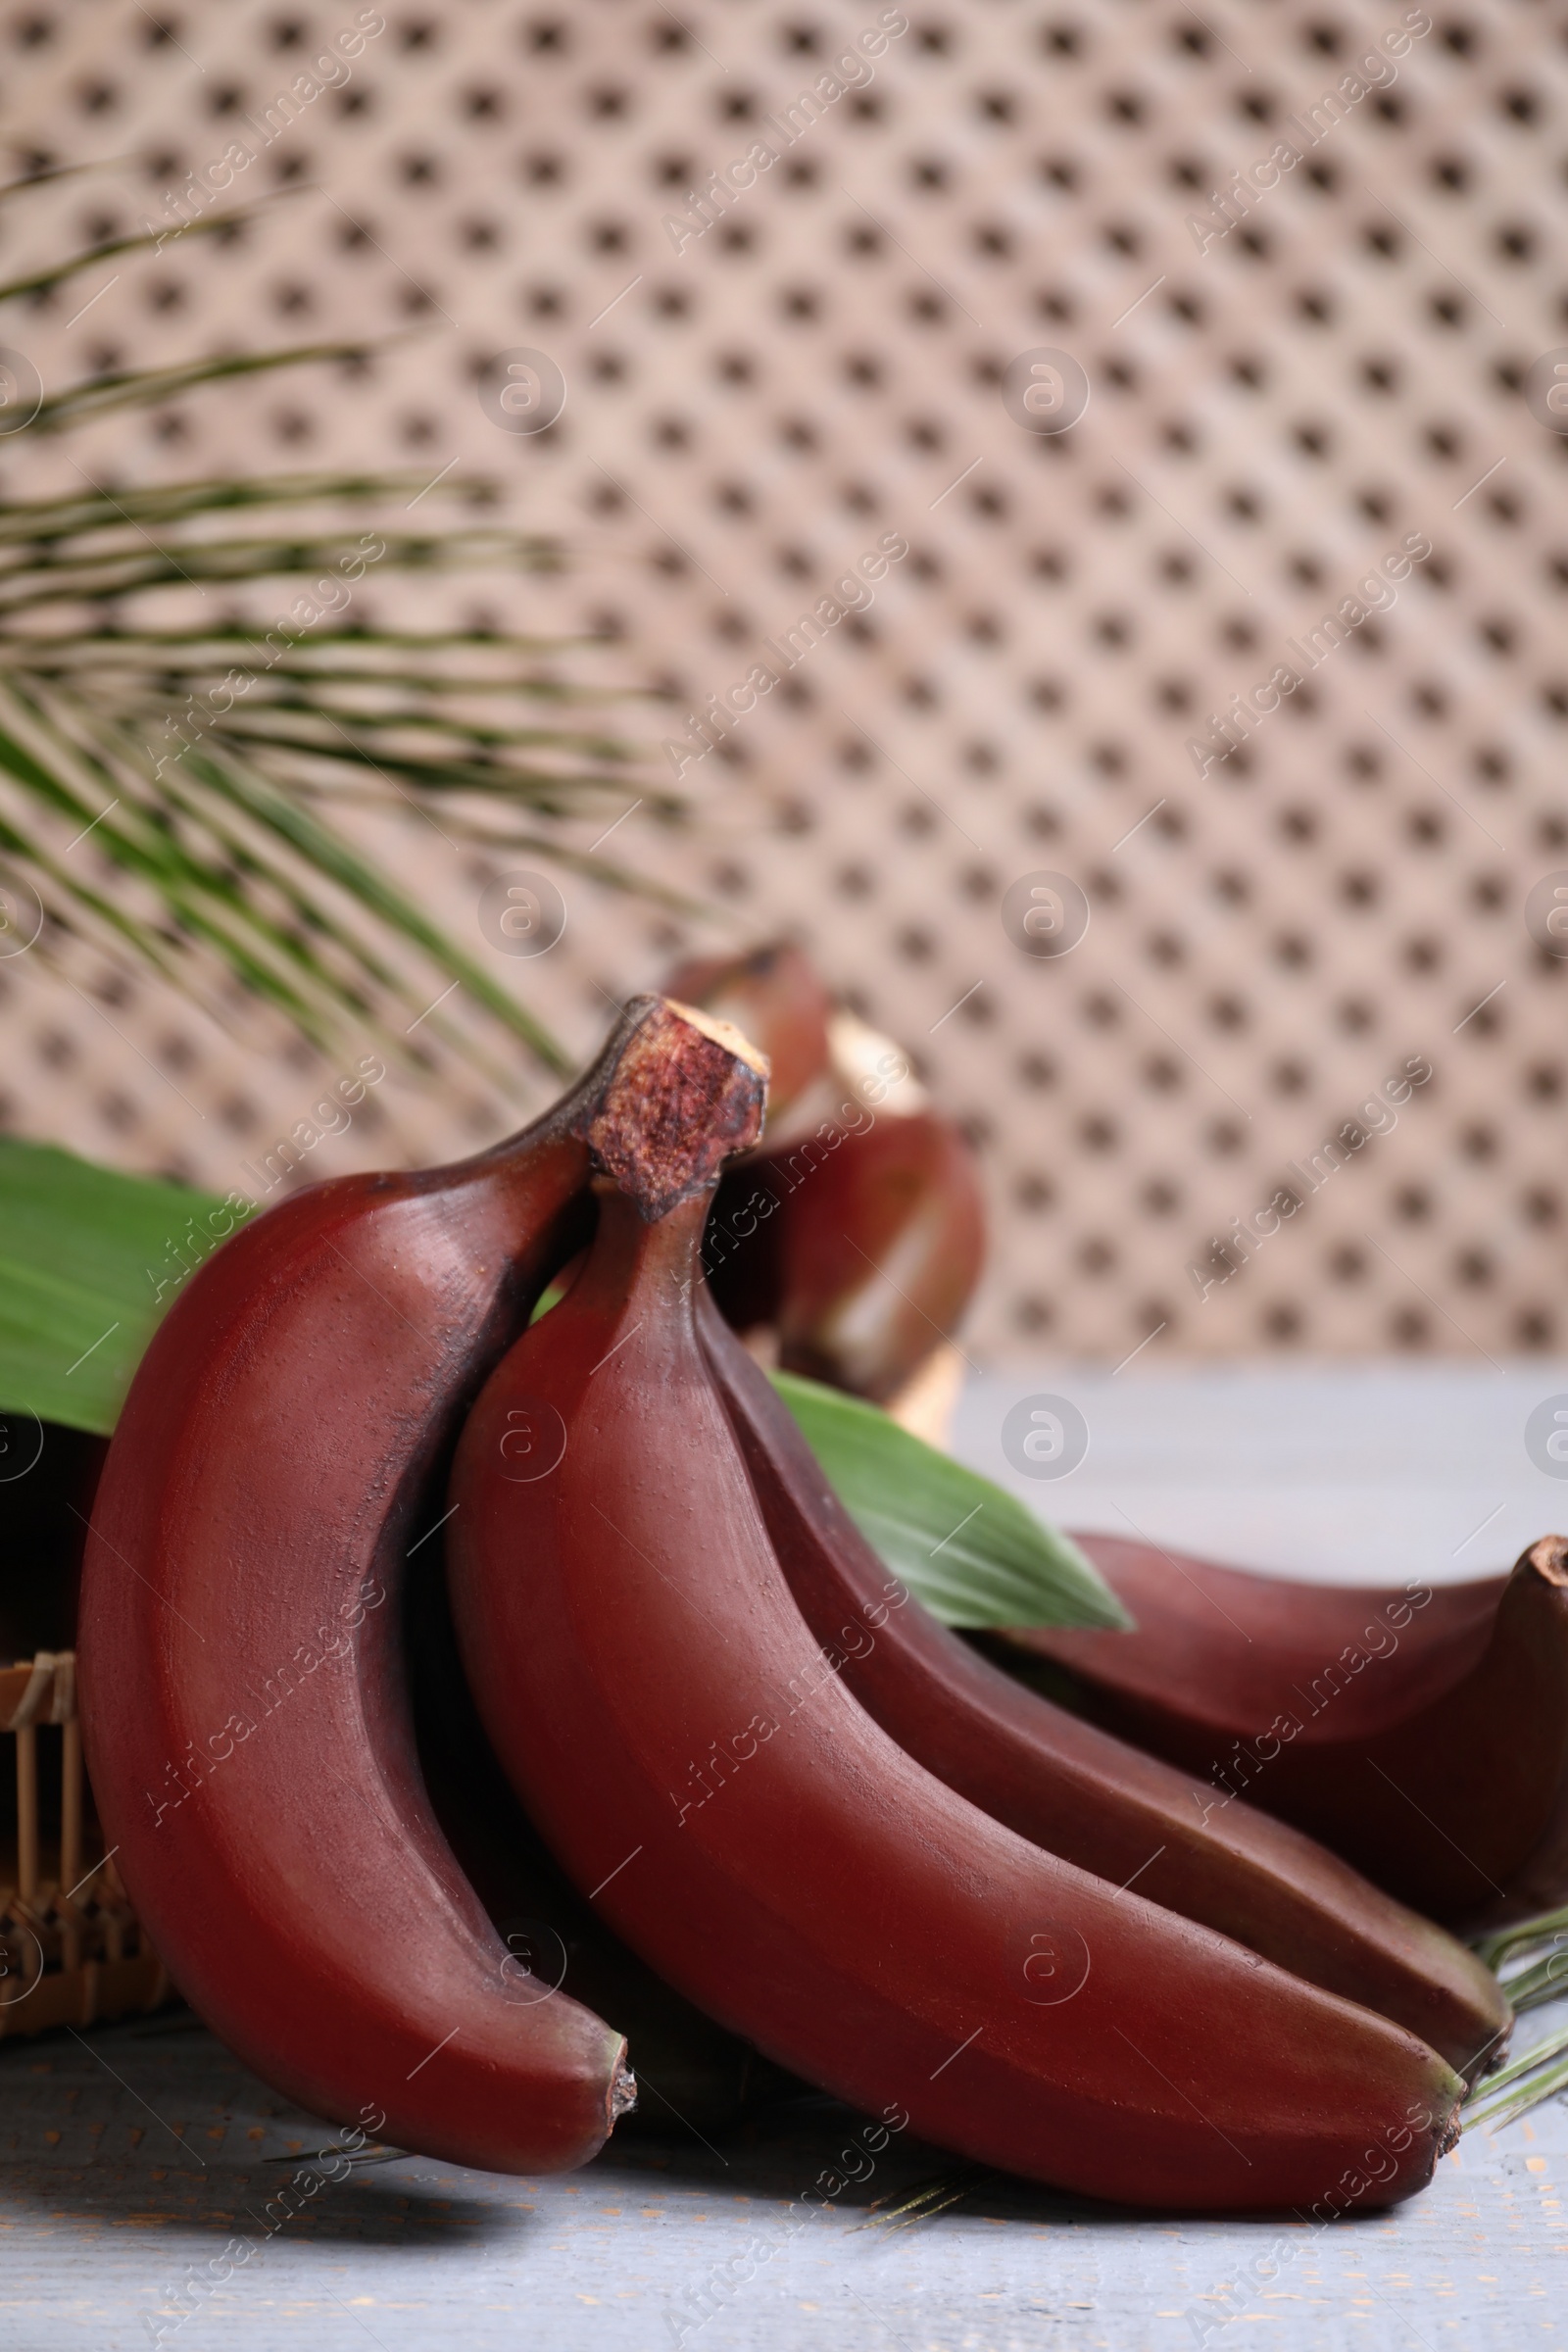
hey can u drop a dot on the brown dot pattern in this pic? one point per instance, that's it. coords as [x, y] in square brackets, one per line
[750, 411]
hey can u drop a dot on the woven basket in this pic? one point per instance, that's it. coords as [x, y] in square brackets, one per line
[72, 1949]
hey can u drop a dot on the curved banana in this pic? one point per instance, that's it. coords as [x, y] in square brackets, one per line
[250, 1738]
[1420, 1732]
[658, 1700]
[690, 2072]
[1074, 1788]
[1229, 1648]
[865, 1242]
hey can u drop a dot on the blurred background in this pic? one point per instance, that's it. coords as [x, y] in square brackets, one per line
[1283, 392]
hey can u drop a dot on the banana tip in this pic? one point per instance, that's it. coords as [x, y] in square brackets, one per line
[686, 1091]
[1549, 1559]
[622, 2091]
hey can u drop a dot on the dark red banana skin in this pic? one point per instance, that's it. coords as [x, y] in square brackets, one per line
[868, 1256]
[867, 1927]
[690, 2072]
[269, 1476]
[1075, 1790]
[1439, 1769]
[1230, 1642]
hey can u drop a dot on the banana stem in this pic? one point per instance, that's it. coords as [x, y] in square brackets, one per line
[685, 1092]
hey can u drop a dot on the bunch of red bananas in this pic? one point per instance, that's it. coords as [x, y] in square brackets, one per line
[665, 1741]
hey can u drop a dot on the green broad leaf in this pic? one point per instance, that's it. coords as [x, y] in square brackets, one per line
[964, 1547]
[90, 1261]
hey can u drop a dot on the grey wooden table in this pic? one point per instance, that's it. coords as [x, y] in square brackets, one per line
[135, 2177]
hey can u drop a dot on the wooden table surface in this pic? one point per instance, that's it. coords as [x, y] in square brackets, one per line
[131, 2159]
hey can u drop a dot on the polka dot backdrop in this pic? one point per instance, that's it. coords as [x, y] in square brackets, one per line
[1256, 661]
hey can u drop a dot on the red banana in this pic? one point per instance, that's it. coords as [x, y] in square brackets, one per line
[806, 1883]
[244, 1691]
[1421, 1733]
[1229, 1641]
[859, 1235]
[862, 1242]
[1075, 1790]
[689, 2070]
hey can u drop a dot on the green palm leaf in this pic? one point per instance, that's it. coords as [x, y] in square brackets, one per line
[91, 1260]
[217, 770]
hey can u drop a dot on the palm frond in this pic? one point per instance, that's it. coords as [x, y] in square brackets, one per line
[46, 518]
[55, 273]
[145, 388]
[183, 796]
[43, 179]
[929, 2198]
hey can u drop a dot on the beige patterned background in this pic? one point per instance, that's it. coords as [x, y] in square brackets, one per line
[1271, 940]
